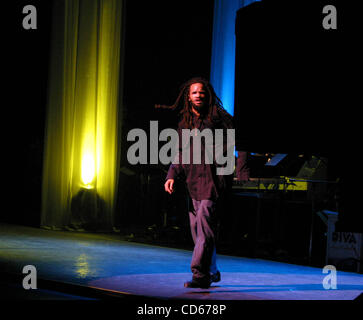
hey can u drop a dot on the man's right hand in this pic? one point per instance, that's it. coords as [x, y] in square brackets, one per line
[169, 186]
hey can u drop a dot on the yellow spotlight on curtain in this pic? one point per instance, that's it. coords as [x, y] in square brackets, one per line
[81, 151]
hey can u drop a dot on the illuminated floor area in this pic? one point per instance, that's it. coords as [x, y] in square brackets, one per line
[132, 269]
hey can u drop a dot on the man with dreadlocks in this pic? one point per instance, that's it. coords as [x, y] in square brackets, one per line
[199, 108]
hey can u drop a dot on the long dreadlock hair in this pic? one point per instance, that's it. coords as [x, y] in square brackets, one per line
[214, 112]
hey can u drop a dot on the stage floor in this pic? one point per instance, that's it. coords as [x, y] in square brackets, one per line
[102, 261]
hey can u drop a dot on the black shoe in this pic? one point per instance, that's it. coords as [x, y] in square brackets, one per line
[197, 284]
[215, 277]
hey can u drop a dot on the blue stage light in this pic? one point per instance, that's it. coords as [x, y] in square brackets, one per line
[223, 49]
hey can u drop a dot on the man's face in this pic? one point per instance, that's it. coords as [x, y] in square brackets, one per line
[197, 96]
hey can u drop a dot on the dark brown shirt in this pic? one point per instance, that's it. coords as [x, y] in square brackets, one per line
[202, 180]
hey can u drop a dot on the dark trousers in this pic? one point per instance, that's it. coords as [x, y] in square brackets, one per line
[203, 222]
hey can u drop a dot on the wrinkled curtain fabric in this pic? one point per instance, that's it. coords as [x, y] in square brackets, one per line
[81, 151]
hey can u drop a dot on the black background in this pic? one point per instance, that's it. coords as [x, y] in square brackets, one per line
[168, 42]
